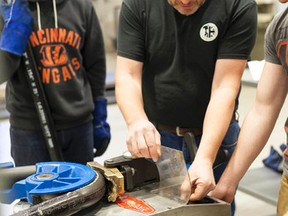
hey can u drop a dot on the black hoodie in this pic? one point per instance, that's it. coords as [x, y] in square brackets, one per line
[68, 48]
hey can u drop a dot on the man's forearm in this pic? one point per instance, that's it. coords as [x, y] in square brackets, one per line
[129, 99]
[216, 123]
[128, 89]
[257, 127]
[250, 144]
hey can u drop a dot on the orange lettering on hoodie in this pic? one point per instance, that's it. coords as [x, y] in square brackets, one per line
[41, 36]
[47, 35]
[72, 70]
[55, 76]
[66, 74]
[54, 34]
[69, 39]
[46, 75]
[76, 64]
[76, 39]
[34, 40]
[62, 35]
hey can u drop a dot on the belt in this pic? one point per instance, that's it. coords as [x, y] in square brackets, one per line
[179, 131]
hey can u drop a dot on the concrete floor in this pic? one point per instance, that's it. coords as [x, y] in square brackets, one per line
[246, 204]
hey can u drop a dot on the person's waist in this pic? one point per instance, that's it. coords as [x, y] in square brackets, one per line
[34, 123]
[179, 131]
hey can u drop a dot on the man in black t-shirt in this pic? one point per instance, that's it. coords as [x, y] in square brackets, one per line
[179, 68]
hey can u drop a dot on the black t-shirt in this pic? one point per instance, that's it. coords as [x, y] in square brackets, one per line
[179, 52]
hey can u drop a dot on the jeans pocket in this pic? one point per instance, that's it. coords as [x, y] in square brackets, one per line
[231, 137]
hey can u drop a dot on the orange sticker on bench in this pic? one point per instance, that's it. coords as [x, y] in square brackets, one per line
[132, 203]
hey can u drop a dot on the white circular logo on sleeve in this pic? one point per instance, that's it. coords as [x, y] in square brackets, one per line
[209, 32]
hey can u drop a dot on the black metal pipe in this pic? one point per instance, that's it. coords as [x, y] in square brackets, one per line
[42, 106]
[11, 175]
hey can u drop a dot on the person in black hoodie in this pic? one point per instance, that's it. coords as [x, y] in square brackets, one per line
[68, 49]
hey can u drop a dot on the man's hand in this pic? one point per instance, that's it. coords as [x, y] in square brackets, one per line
[17, 26]
[101, 127]
[199, 182]
[224, 192]
[144, 140]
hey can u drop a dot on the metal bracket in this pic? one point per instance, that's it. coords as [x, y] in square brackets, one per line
[137, 172]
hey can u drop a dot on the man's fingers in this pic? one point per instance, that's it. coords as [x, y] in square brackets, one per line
[158, 142]
[144, 142]
[142, 146]
[201, 191]
[153, 145]
[198, 194]
[133, 147]
[186, 188]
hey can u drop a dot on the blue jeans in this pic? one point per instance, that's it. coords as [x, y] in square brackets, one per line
[29, 147]
[228, 143]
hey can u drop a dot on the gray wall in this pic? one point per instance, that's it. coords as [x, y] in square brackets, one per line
[108, 11]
